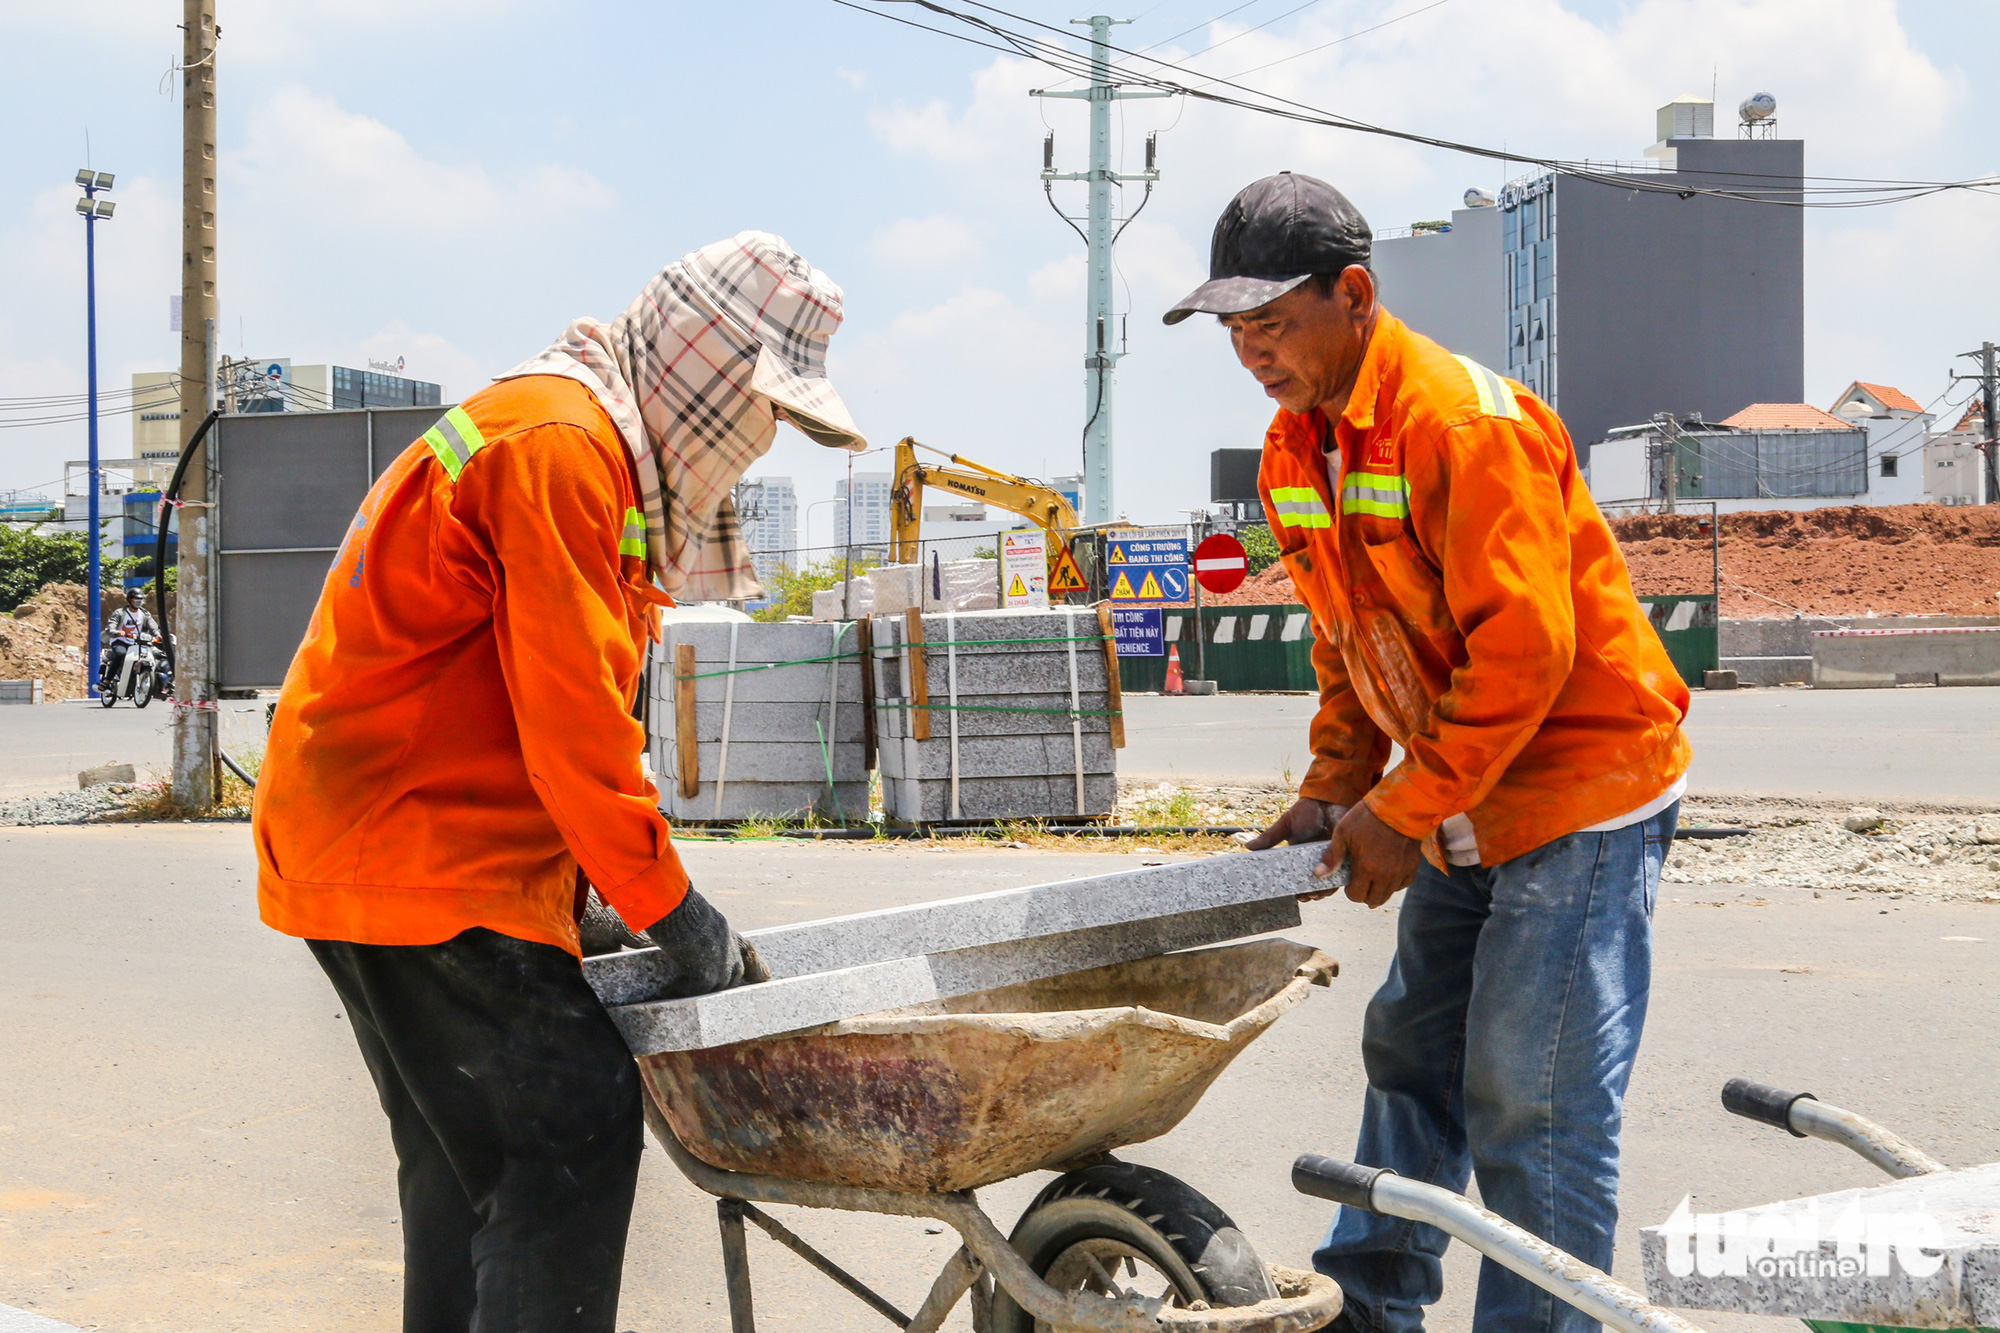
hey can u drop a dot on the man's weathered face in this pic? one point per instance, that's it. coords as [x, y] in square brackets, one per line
[1305, 348]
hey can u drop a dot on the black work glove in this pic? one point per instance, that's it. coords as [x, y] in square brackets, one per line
[702, 953]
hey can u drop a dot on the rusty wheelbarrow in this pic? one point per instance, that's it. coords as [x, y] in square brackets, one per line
[908, 1112]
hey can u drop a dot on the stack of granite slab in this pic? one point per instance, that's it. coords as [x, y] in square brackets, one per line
[760, 721]
[989, 715]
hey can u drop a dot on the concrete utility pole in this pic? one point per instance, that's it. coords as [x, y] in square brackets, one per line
[195, 782]
[1991, 410]
[1101, 343]
[1989, 385]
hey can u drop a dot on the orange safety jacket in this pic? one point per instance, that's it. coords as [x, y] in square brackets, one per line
[1470, 603]
[455, 736]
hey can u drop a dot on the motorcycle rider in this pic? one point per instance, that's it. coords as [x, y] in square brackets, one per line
[129, 624]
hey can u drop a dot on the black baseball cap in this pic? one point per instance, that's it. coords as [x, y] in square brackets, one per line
[1275, 234]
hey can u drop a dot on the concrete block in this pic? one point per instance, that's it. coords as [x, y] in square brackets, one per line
[1052, 796]
[847, 801]
[994, 715]
[1828, 1276]
[1770, 670]
[106, 774]
[845, 967]
[1881, 658]
[20, 691]
[786, 715]
[996, 674]
[998, 757]
[1723, 679]
[785, 722]
[778, 761]
[1001, 668]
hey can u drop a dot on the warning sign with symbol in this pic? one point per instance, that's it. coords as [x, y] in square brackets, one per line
[1065, 577]
[1024, 567]
[1152, 564]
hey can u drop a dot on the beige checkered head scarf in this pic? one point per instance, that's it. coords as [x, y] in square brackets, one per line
[696, 374]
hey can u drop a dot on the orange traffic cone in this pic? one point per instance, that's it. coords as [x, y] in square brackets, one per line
[1174, 685]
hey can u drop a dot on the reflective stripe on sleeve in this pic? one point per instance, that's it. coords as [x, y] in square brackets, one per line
[1383, 494]
[1299, 507]
[454, 440]
[633, 542]
[1496, 397]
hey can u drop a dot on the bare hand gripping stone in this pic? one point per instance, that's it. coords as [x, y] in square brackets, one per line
[845, 967]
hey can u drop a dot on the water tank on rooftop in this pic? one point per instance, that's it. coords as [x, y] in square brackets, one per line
[1756, 107]
[1480, 198]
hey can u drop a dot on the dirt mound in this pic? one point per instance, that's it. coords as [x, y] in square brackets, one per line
[1908, 560]
[1850, 561]
[46, 637]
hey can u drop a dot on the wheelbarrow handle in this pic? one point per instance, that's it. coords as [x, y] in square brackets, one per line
[1803, 1115]
[1568, 1279]
[1763, 1103]
[1345, 1183]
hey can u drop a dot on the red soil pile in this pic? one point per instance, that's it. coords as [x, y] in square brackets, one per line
[1893, 560]
[1905, 560]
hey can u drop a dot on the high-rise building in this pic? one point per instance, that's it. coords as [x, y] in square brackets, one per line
[768, 508]
[1630, 292]
[871, 506]
[1627, 291]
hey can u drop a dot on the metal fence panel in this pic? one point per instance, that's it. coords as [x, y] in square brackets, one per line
[290, 483]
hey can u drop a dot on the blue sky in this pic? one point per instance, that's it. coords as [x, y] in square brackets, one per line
[453, 180]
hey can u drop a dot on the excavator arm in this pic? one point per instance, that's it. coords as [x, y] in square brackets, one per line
[1045, 508]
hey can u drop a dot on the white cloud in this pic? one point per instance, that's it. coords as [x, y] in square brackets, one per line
[343, 167]
[932, 242]
[853, 78]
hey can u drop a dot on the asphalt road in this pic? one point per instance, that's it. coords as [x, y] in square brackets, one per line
[1907, 744]
[188, 1138]
[44, 748]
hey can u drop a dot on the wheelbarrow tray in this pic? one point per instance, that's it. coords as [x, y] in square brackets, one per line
[963, 1092]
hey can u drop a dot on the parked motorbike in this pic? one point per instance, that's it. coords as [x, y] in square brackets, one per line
[142, 677]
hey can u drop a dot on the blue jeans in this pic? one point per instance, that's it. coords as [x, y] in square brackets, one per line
[1500, 1046]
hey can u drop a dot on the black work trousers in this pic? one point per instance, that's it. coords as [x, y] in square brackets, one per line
[514, 1107]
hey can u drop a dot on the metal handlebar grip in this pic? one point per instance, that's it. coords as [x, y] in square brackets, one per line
[1345, 1183]
[1764, 1103]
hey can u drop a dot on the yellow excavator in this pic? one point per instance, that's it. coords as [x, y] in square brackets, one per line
[1046, 508]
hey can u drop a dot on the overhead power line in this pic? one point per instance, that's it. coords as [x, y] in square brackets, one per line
[995, 34]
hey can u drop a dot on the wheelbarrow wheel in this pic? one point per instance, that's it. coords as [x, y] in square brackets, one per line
[1116, 1228]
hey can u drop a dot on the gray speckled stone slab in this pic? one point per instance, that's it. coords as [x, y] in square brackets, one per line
[1963, 1290]
[827, 997]
[844, 967]
[765, 800]
[1000, 757]
[928, 800]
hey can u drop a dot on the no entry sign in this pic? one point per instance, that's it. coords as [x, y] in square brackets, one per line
[1220, 564]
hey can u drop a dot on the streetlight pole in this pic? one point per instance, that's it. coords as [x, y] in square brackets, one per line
[92, 208]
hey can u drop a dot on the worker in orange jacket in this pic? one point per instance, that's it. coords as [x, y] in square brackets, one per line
[1470, 606]
[455, 756]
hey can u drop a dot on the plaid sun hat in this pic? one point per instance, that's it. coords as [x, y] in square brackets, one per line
[696, 374]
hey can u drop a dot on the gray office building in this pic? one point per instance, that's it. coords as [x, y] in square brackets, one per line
[1624, 292]
[1628, 295]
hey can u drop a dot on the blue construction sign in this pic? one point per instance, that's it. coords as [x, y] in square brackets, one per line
[1139, 631]
[1147, 565]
